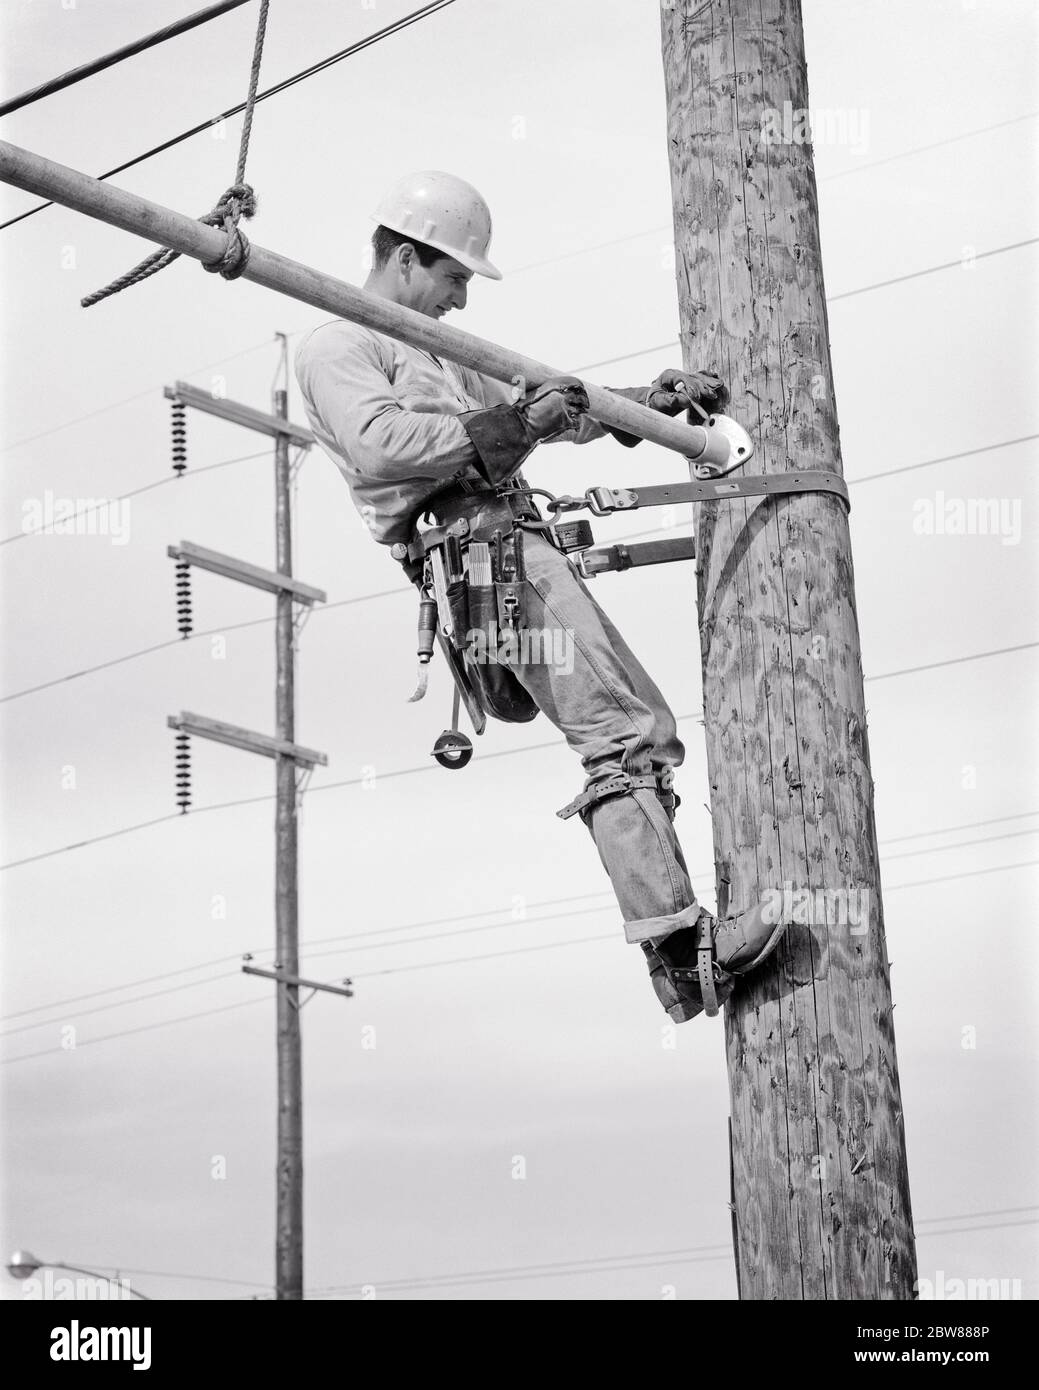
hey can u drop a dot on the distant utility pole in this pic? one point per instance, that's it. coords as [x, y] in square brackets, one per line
[820, 1183]
[288, 757]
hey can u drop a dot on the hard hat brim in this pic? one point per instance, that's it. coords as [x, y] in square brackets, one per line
[473, 263]
[476, 264]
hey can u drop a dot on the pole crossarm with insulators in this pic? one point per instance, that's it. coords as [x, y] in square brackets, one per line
[219, 732]
[283, 979]
[820, 1188]
[238, 414]
[31, 172]
[230, 568]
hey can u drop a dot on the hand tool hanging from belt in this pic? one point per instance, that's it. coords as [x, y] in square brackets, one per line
[473, 585]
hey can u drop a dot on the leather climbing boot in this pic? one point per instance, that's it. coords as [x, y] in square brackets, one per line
[700, 963]
[680, 1002]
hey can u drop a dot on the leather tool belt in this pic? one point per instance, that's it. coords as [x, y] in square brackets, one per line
[477, 618]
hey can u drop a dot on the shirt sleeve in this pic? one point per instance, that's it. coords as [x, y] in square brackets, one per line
[345, 383]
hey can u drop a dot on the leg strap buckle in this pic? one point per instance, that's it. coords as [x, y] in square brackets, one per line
[619, 785]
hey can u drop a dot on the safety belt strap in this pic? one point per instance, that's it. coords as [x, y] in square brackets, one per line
[603, 501]
[602, 558]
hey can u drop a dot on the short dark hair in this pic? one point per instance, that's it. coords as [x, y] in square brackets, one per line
[385, 242]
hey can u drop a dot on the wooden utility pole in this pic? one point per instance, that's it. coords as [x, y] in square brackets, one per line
[288, 756]
[821, 1189]
[289, 1251]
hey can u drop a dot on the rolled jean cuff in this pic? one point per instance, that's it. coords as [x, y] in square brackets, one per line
[656, 929]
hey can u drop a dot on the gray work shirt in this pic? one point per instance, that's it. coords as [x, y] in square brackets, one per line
[384, 413]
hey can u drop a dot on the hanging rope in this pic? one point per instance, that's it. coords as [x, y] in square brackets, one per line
[239, 201]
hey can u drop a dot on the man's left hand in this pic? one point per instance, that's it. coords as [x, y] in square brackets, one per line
[675, 391]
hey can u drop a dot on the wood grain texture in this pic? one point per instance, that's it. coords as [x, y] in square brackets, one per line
[820, 1177]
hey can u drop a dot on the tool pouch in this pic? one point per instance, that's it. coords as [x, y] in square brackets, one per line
[495, 610]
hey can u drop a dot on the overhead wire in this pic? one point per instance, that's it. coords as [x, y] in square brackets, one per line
[358, 939]
[424, 768]
[118, 55]
[403, 23]
[381, 593]
[591, 1264]
[128, 400]
[461, 960]
[823, 178]
[647, 1259]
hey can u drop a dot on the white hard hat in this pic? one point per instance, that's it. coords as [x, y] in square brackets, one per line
[441, 210]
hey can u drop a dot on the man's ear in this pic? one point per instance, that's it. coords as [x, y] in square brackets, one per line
[405, 259]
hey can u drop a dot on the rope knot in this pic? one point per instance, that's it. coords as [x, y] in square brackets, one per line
[238, 201]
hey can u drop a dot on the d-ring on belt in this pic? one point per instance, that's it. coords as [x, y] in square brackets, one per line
[604, 501]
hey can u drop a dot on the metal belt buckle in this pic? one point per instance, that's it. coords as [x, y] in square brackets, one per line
[604, 500]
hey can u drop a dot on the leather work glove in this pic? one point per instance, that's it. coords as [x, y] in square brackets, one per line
[503, 435]
[671, 393]
[674, 391]
[553, 407]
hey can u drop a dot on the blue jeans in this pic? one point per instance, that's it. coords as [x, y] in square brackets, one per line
[617, 721]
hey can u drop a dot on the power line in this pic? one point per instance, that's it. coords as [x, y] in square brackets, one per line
[466, 960]
[357, 940]
[301, 76]
[136, 492]
[952, 661]
[460, 917]
[410, 771]
[945, 458]
[130, 984]
[128, 400]
[382, 593]
[634, 1260]
[129, 50]
[205, 632]
[612, 936]
[826, 178]
[932, 270]
[120, 1003]
[962, 844]
[924, 149]
[953, 829]
[830, 299]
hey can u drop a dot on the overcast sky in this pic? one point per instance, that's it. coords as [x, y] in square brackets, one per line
[485, 1049]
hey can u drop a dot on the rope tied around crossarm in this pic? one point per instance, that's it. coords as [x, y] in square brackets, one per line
[237, 202]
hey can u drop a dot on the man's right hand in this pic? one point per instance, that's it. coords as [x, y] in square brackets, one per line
[553, 407]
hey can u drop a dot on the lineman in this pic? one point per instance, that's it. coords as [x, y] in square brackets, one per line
[415, 435]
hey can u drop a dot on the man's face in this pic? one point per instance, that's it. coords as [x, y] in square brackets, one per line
[435, 289]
